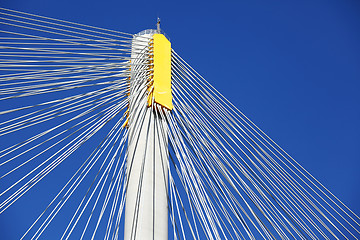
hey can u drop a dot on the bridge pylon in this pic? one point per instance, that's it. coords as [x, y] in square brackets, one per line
[146, 207]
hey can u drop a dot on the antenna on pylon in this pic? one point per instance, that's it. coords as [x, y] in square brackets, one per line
[158, 25]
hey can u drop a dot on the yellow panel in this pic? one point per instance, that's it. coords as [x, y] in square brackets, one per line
[162, 71]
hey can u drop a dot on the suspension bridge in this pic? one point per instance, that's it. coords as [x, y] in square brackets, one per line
[151, 149]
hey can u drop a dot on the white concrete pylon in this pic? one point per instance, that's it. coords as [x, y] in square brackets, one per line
[146, 207]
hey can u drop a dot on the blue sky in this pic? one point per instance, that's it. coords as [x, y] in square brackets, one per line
[293, 67]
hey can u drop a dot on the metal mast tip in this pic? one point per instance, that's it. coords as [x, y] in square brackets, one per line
[158, 25]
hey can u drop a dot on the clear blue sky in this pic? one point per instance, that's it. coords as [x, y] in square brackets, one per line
[293, 67]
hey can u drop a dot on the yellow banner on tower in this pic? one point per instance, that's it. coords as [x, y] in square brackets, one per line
[160, 87]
